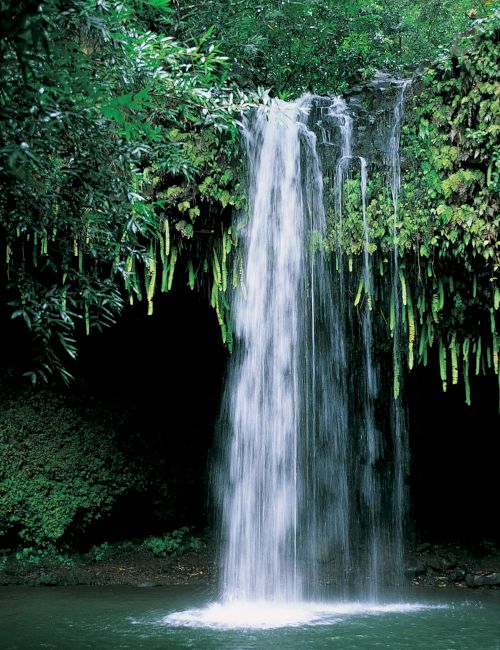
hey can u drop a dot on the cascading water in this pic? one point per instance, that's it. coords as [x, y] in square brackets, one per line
[307, 486]
[292, 497]
[371, 481]
[399, 431]
[260, 497]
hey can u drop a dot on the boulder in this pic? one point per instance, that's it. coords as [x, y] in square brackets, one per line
[457, 575]
[415, 570]
[482, 580]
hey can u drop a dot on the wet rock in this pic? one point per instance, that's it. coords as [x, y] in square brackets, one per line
[482, 580]
[457, 575]
[434, 563]
[448, 562]
[47, 580]
[415, 570]
[488, 546]
[441, 563]
[422, 548]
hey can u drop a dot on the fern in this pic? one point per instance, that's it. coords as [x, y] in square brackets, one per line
[171, 268]
[396, 386]
[224, 270]
[216, 269]
[214, 296]
[164, 276]
[454, 349]
[422, 345]
[191, 275]
[421, 307]
[411, 331]
[403, 286]
[435, 307]
[441, 294]
[235, 274]
[229, 341]
[430, 332]
[442, 364]
[87, 319]
[360, 291]
[466, 350]
[167, 238]
[137, 284]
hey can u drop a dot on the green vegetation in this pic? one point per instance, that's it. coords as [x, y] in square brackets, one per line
[448, 218]
[69, 465]
[177, 542]
[119, 153]
[118, 150]
[297, 45]
[61, 470]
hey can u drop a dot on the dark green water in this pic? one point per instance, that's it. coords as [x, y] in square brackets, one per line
[127, 617]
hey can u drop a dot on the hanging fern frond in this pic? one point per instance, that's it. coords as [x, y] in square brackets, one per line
[443, 364]
[466, 351]
[403, 286]
[360, 291]
[454, 350]
[441, 295]
[191, 275]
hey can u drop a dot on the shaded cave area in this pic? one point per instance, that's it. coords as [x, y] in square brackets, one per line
[455, 453]
[165, 373]
[159, 378]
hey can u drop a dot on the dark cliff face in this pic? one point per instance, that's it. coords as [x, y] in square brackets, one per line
[371, 107]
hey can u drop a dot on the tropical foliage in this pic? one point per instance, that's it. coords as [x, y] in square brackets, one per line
[117, 159]
[297, 45]
[120, 162]
[448, 226]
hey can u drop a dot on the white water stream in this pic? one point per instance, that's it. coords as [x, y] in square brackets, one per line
[301, 486]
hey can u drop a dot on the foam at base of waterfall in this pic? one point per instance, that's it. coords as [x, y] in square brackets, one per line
[267, 615]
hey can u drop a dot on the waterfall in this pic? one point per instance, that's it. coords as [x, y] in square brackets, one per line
[304, 488]
[261, 498]
[371, 481]
[399, 431]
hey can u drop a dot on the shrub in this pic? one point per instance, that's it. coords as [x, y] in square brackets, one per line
[59, 470]
[175, 543]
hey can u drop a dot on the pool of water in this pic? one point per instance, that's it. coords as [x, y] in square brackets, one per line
[170, 618]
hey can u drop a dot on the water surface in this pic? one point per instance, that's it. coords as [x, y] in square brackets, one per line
[128, 617]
